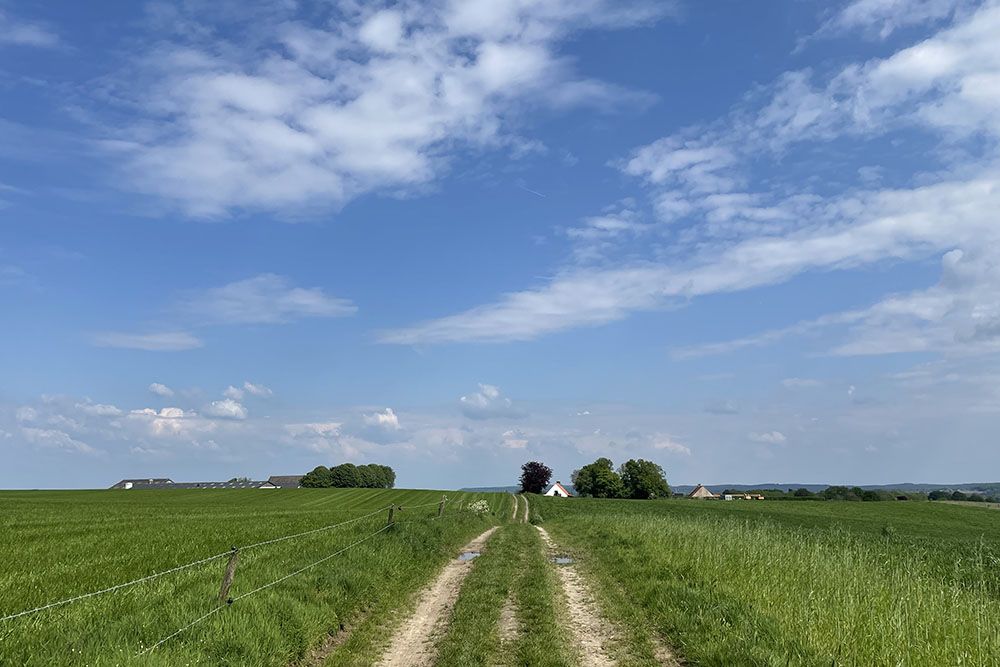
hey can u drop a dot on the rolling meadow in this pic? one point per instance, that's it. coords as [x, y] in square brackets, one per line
[322, 580]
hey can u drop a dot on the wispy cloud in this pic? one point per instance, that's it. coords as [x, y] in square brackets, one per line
[741, 239]
[263, 299]
[168, 341]
[18, 32]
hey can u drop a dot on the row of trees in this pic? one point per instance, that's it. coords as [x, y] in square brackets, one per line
[348, 475]
[636, 478]
[941, 494]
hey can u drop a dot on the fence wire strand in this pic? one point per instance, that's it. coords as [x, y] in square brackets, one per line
[261, 588]
[156, 575]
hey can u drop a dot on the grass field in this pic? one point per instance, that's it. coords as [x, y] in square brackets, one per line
[723, 584]
[61, 544]
[784, 583]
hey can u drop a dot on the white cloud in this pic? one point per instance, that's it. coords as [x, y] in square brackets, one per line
[263, 299]
[386, 419]
[801, 383]
[488, 403]
[257, 389]
[22, 33]
[748, 239]
[768, 437]
[668, 444]
[514, 439]
[234, 393]
[887, 16]
[99, 409]
[170, 341]
[56, 439]
[26, 414]
[161, 389]
[227, 408]
[365, 99]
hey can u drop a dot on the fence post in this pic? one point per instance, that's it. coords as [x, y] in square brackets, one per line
[392, 515]
[441, 506]
[227, 578]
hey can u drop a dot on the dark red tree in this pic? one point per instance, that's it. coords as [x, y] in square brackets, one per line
[535, 476]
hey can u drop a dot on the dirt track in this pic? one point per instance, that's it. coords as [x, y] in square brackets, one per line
[414, 643]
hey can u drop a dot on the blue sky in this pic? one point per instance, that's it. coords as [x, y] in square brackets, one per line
[752, 242]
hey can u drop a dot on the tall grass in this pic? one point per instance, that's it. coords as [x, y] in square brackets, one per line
[61, 544]
[730, 592]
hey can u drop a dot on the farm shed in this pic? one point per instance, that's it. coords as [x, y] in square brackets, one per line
[701, 492]
[285, 481]
[131, 483]
[559, 490]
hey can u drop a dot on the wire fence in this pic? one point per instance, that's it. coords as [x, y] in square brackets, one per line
[277, 581]
[185, 566]
[224, 601]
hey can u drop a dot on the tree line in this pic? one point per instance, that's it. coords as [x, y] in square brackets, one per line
[348, 475]
[636, 478]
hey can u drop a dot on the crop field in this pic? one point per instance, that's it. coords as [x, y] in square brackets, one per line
[674, 582]
[794, 583]
[61, 544]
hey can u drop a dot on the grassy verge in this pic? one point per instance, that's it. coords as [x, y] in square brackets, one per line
[513, 566]
[59, 545]
[732, 593]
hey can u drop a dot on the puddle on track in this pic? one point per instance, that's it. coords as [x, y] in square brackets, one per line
[469, 555]
[562, 560]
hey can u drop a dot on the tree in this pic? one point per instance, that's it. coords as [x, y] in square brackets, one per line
[598, 480]
[958, 495]
[643, 480]
[803, 493]
[345, 475]
[535, 476]
[938, 494]
[318, 478]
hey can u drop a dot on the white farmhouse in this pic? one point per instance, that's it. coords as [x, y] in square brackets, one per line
[558, 489]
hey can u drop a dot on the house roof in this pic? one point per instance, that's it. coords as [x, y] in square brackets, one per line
[285, 480]
[563, 488]
[701, 491]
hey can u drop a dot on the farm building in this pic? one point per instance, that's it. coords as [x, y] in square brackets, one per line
[742, 496]
[129, 483]
[285, 481]
[170, 484]
[558, 489]
[701, 492]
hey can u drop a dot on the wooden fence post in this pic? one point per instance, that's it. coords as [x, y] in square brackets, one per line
[227, 578]
[392, 515]
[441, 506]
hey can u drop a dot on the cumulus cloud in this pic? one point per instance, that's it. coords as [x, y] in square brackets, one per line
[350, 99]
[161, 390]
[237, 393]
[768, 437]
[488, 403]
[170, 341]
[227, 408]
[263, 299]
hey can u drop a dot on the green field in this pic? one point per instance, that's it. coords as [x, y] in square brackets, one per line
[64, 543]
[723, 584]
[795, 583]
